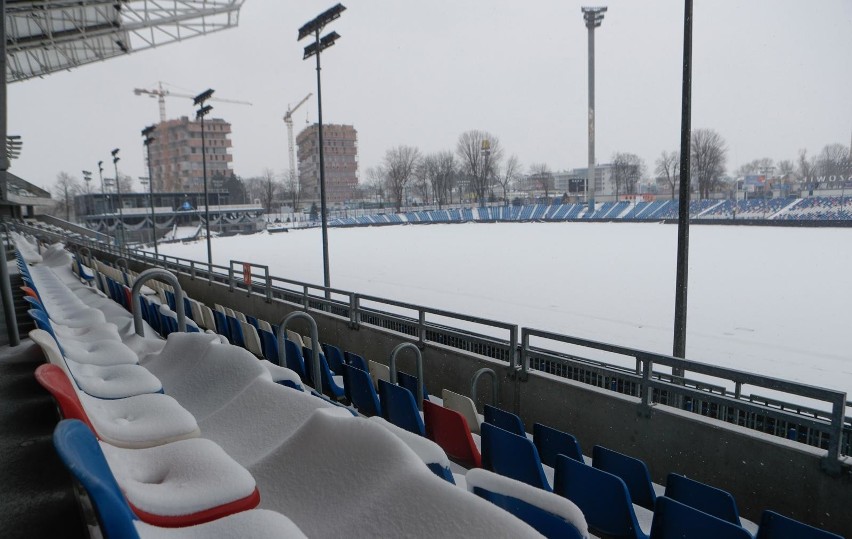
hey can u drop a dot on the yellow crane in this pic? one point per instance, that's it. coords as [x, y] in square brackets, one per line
[160, 93]
[288, 119]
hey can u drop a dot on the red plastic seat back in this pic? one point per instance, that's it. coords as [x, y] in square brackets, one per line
[54, 379]
[30, 292]
[449, 429]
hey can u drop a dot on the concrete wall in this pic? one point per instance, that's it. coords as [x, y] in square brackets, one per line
[761, 471]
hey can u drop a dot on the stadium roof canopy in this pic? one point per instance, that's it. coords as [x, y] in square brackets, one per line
[45, 36]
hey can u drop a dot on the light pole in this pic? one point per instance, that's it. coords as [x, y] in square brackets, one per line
[120, 235]
[593, 17]
[203, 111]
[313, 27]
[103, 187]
[147, 142]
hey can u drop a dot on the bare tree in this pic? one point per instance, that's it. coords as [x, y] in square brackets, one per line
[541, 178]
[668, 167]
[421, 183]
[807, 167]
[291, 190]
[709, 156]
[832, 160]
[126, 183]
[399, 165]
[480, 154]
[440, 171]
[376, 184]
[507, 175]
[65, 188]
[269, 189]
[627, 169]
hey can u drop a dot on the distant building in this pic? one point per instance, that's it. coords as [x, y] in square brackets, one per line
[340, 152]
[175, 154]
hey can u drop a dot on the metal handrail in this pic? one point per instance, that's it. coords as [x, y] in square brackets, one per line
[282, 349]
[418, 358]
[495, 384]
[136, 304]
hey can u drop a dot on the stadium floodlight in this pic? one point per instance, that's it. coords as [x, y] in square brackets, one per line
[119, 237]
[203, 111]
[202, 97]
[593, 17]
[316, 24]
[314, 27]
[148, 139]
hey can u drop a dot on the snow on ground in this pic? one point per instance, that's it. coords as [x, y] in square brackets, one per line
[775, 301]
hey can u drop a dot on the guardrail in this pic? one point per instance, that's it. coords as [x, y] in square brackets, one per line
[703, 389]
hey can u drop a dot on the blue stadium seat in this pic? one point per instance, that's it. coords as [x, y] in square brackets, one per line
[551, 442]
[293, 359]
[334, 357]
[602, 497]
[399, 408]
[356, 361]
[505, 420]
[674, 520]
[221, 320]
[329, 386]
[776, 526]
[513, 456]
[360, 391]
[632, 471]
[409, 382]
[235, 331]
[269, 345]
[703, 497]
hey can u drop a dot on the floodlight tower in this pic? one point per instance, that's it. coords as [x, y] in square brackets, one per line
[147, 142]
[313, 27]
[203, 111]
[120, 235]
[593, 17]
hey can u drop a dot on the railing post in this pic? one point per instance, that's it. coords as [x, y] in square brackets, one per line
[421, 326]
[231, 276]
[305, 302]
[647, 390]
[831, 463]
[354, 310]
[268, 286]
[192, 270]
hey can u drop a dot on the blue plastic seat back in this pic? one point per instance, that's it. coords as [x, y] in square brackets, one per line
[170, 299]
[356, 361]
[329, 386]
[154, 317]
[222, 324]
[235, 330]
[551, 442]
[168, 324]
[409, 382]
[711, 500]
[399, 407]
[36, 304]
[601, 496]
[293, 359]
[505, 420]
[546, 523]
[360, 391]
[674, 519]
[334, 357]
[631, 470]
[187, 309]
[269, 345]
[79, 450]
[253, 321]
[513, 456]
[776, 526]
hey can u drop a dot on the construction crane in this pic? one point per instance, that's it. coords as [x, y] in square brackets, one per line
[161, 94]
[288, 119]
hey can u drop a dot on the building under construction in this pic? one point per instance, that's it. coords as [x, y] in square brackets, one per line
[340, 147]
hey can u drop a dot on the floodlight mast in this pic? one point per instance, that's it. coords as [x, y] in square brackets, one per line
[593, 17]
[203, 111]
[147, 142]
[314, 49]
[120, 235]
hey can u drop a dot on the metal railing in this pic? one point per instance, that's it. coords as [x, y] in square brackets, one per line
[704, 389]
[721, 397]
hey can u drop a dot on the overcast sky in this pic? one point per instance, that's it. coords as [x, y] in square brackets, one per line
[771, 76]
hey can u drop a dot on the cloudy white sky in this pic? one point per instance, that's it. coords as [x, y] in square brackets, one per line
[771, 76]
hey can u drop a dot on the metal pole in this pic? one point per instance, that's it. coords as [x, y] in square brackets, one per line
[151, 195]
[120, 212]
[5, 283]
[325, 268]
[206, 201]
[590, 173]
[679, 346]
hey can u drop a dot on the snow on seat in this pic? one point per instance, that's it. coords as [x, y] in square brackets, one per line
[85, 350]
[375, 484]
[134, 422]
[281, 374]
[82, 455]
[182, 483]
[429, 452]
[259, 419]
[71, 316]
[102, 381]
[205, 378]
[550, 514]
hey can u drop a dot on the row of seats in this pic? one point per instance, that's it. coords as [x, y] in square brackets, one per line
[811, 208]
[232, 402]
